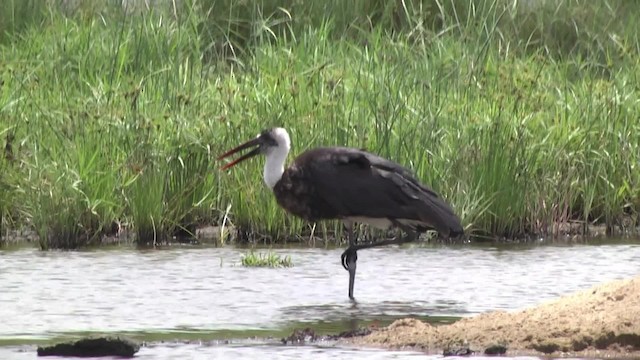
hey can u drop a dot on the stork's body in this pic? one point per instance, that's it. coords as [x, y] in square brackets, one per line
[357, 186]
[351, 185]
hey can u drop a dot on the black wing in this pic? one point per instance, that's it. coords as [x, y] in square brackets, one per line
[352, 182]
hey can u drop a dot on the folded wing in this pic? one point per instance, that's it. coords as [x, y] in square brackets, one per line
[355, 183]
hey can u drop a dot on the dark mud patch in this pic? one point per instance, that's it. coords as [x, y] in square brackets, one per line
[351, 333]
[601, 321]
[495, 350]
[92, 347]
[458, 351]
[301, 336]
[308, 335]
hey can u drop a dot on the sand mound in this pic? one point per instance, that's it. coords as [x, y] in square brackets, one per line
[601, 321]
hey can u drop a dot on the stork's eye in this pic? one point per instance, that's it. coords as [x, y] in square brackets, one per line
[268, 140]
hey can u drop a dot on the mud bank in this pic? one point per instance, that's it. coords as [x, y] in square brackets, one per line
[603, 321]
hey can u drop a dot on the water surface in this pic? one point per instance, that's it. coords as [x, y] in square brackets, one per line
[202, 294]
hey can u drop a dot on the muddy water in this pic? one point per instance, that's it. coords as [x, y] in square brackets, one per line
[203, 296]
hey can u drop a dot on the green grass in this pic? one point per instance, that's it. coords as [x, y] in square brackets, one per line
[269, 259]
[520, 115]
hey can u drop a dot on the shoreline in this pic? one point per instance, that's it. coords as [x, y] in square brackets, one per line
[565, 233]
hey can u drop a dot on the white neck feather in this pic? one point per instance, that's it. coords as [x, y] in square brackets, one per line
[276, 156]
[274, 165]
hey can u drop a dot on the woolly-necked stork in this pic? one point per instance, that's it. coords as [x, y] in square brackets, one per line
[351, 185]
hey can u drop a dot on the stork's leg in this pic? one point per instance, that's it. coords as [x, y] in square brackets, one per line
[348, 225]
[350, 257]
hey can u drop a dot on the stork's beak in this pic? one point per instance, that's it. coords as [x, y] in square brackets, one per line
[252, 153]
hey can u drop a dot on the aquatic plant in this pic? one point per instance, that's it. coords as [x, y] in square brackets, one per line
[269, 259]
[522, 115]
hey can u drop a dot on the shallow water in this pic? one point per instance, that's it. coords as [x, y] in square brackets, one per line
[203, 295]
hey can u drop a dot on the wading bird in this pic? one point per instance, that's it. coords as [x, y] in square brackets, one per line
[350, 185]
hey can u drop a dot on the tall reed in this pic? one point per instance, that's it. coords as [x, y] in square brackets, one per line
[522, 115]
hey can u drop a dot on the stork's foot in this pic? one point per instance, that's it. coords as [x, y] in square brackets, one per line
[349, 255]
[349, 259]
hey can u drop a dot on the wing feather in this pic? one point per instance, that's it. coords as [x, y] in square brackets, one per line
[353, 182]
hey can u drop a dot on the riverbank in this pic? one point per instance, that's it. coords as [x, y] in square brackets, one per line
[603, 321]
[564, 233]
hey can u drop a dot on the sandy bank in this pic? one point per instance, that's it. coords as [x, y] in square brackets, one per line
[602, 321]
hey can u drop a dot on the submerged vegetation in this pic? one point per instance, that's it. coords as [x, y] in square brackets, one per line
[270, 259]
[523, 114]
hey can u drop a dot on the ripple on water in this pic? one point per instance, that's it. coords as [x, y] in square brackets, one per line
[206, 288]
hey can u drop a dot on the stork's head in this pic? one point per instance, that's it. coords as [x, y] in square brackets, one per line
[270, 142]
